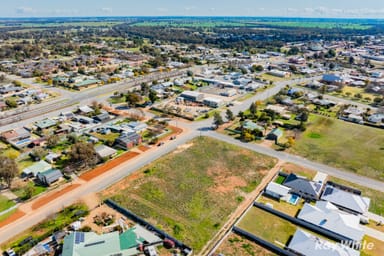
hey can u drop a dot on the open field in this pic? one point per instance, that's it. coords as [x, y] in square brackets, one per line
[236, 245]
[267, 226]
[190, 23]
[191, 191]
[314, 24]
[344, 145]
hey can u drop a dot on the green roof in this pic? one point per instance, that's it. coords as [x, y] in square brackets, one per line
[252, 126]
[40, 166]
[86, 82]
[129, 239]
[278, 132]
[45, 123]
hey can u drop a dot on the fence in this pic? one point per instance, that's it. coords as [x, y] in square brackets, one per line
[184, 248]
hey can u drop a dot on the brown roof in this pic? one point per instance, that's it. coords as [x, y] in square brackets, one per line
[9, 134]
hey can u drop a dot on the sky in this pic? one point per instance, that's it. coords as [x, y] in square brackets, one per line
[280, 8]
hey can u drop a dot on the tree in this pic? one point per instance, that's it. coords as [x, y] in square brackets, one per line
[217, 119]
[132, 99]
[152, 96]
[83, 155]
[8, 170]
[229, 115]
[52, 141]
[39, 152]
[253, 109]
[11, 103]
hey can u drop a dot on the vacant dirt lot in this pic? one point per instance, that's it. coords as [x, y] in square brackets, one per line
[190, 192]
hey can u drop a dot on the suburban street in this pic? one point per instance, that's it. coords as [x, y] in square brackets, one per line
[191, 130]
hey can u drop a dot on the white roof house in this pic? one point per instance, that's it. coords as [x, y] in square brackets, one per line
[277, 189]
[346, 200]
[37, 167]
[307, 244]
[329, 217]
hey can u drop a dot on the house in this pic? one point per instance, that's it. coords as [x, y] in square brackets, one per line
[192, 96]
[327, 216]
[277, 191]
[44, 124]
[18, 137]
[85, 110]
[305, 188]
[376, 118]
[279, 73]
[249, 125]
[128, 141]
[332, 79]
[86, 84]
[90, 243]
[34, 169]
[213, 102]
[304, 243]
[275, 134]
[48, 177]
[103, 117]
[51, 157]
[345, 200]
[137, 126]
[105, 152]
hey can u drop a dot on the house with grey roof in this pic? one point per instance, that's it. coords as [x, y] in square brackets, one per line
[345, 200]
[327, 216]
[105, 152]
[305, 188]
[305, 243]
[48, 177]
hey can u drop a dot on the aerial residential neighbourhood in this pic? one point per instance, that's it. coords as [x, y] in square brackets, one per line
[191, 128]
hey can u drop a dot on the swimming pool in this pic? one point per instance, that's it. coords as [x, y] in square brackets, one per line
[294, 199]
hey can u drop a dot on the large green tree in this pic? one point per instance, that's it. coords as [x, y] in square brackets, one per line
[83, 155]
[8, 170]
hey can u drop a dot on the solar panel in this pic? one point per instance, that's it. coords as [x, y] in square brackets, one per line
[79, 237]
[328, 191]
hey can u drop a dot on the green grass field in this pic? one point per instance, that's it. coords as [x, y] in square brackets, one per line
[191, 192]
[345, 145]
[267, 226]
[5, 203]
[190, 23]
[324, 25]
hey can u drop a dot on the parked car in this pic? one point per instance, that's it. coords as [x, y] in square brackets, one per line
[160, 144]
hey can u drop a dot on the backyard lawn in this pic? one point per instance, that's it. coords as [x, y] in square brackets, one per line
[267, 226]
[345, 145]
[283, 206]
[191, 192]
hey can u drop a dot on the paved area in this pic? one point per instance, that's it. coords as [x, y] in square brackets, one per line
[373, 233]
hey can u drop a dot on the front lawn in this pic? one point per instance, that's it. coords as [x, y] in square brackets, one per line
[5, 203]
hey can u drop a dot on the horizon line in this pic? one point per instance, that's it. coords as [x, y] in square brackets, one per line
[189, 16]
